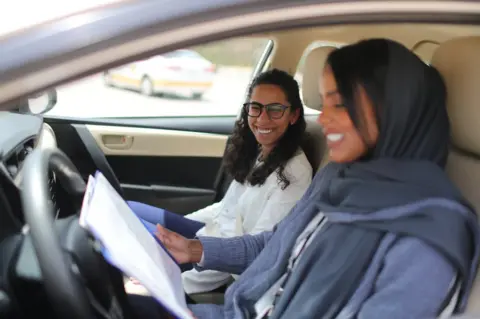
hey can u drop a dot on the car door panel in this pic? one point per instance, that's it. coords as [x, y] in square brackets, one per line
[161, 164]
[172, 169]
[134, 141]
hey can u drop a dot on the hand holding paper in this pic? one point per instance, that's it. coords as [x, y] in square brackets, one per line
[182, 249]
[130, 247]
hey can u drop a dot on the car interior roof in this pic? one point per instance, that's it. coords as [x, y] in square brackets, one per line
[422, 38]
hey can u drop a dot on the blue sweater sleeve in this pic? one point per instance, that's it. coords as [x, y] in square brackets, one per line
[414, 282]
[232, 255]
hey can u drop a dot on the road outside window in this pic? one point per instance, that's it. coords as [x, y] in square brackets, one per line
[208, 80]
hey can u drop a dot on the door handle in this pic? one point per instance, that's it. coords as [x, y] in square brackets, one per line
[119, 142]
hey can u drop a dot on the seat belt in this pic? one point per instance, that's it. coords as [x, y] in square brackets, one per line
[97, 156]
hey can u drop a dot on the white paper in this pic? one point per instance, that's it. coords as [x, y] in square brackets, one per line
[86, 201]
[130, 246]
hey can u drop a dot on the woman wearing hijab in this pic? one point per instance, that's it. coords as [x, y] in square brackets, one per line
[381, 232]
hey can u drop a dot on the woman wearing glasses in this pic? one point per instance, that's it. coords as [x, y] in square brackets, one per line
[270, 172]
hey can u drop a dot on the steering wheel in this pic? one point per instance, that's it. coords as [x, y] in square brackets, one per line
[77, 279]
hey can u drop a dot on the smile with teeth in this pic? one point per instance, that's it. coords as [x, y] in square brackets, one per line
[264, 131]
[334, 137]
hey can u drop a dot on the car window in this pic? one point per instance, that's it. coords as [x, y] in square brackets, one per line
[207, 80]
[183, 54]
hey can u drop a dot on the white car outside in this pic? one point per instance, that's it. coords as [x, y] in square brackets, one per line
[181, 73]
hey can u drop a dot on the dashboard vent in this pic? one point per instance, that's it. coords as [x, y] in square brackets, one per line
[14, 161]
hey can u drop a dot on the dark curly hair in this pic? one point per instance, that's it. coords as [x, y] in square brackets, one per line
[242, 148]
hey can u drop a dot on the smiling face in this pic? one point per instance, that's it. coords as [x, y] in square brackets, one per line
[344, 140]
[268, 130]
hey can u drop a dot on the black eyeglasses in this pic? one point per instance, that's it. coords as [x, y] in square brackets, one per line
[275, 111]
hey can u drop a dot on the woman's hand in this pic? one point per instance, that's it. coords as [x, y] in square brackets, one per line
[182, 249]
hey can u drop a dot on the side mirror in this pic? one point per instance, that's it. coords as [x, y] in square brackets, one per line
[40, 103]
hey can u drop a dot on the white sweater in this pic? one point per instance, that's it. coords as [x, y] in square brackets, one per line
[247, 209]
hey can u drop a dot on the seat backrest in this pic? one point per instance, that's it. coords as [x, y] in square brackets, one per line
[314, 146]
[458, 61]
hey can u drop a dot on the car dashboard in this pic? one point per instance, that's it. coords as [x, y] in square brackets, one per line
[20, 134]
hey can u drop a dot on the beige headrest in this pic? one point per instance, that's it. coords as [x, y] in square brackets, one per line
[458, 61]
[312, 69]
